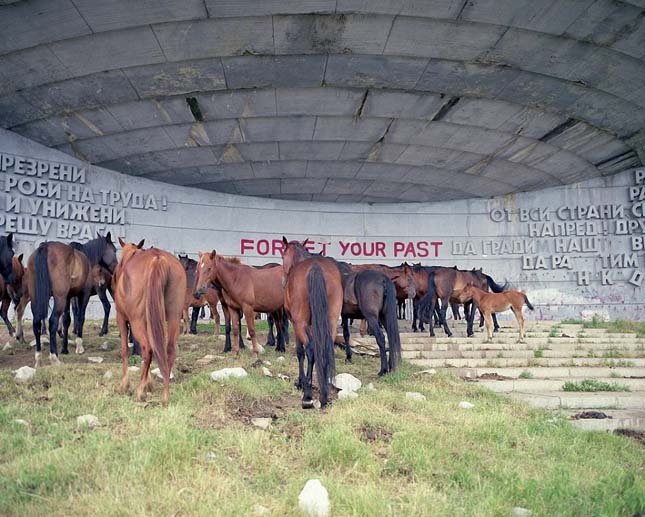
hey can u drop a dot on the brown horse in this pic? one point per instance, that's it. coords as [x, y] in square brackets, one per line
[314, 299]
[210, 297]
[490, 303]
[245, 289]
[11, 291]
[149, 290]
[58, 270]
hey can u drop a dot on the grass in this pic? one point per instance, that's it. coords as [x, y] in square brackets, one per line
[526, 375]
[381, 454]
[538, 353]
[614, 327]
[594, 385]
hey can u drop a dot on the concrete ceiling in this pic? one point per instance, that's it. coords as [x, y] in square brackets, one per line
[332, 100]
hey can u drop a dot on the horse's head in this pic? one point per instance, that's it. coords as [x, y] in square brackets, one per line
[466, 293]
[480, 279]
[108, 258]
[129, 249]
[292, 253]
[407, 281]
[16, 289]
[6, 258]
[206, 272]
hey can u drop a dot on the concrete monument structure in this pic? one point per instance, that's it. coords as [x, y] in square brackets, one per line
[502, 135]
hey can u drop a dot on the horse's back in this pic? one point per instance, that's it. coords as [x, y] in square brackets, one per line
[296, 289]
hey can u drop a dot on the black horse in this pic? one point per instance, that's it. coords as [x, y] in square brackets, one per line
[6, 258]
[371, 295]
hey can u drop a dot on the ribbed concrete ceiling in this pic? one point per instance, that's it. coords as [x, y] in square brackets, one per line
[332, 100]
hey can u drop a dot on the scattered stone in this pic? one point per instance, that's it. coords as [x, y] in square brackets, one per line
[590, 414]
[43, 340]
[430, 371]
[157, 373]
[267, 363]
[207, 359]
[262, 423]
[346, 382]
[280, 359]
[88, 421]
[415, 395]
[518, 511]
[32, 343]
[317, 404]
[7, 346]
[133, 368]
[466, 405]
[210, 456]
[24, 373]
[314, 499]
[283, 377]
[258, 509]
[108, 375]
[260, 349]
[20, 421]
[370, 387]
[225, 373]
[266, 372]
[95, 359]
[105, 345]
[342, 395]
[193, 347]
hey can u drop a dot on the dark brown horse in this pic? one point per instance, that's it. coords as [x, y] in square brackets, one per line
[446, 284]
[271, 321]
[6, 258]
[11, 291]
[149, 290]
[209, 298]
[245, 289]
[58, 270]
[314, 300]
[370, 295]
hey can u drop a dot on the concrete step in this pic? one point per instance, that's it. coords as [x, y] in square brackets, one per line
[581, 400]
[577, 373]
[568, 348]
[635, 362]
[554, 385]
[516, 354]
[619, 419]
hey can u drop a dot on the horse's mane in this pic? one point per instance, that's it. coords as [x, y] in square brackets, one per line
[94, 249]
[231, 260]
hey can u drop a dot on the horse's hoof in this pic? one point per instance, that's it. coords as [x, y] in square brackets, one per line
[54, 360]
[449, 334]
[102, 333]
[382, 373]
[64, 351]
[414, 329]
[38, 362]
[307, 404]
[348, 360]
[79, 345]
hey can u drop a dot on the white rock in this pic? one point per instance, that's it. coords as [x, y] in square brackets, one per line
[7, 346]
[225, 373]
[267, 363]
[133, 368]
[210, 456]
[466, 405]
[342, 395]
[430, 371]
[415, 395]
[157, 373]
[105, 345]
[262, 423]
[314, 499]
[207, 359]
[518, 511]
[43, 340]
[108, 375]
[258, 509]
[20, 421]
[95, 359]
[280, 359]
[24, 373]
[33, 342]
[317, 404]
[283, 377]
[370, 387]
[260, 348]
[346, 382]
[88, 420]
[266, 372]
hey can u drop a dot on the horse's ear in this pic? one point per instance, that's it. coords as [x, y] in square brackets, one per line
[284, 240]
[304, 243]
[121, 242]
[108, 237]
[10, 240]
[213, 254]
[141, 243]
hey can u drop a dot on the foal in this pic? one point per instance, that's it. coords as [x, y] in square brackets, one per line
[489, 303]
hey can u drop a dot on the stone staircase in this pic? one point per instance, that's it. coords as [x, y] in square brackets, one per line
[536, 371]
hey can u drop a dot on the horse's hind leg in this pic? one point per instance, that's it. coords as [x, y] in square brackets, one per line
[193, 320]
[444, 307]
[415, 313]
[171, 350]
[65, 321]
[489, 326]
[184, 317]
[270, 336]
[139, 332]
[496, 325]
[102, 292]
[375, 328]
[20, 312]
[60, 303]
[348, 349]
[123, 334]
[307, 397]
[3, 313]
[520, 322]
[83, 300]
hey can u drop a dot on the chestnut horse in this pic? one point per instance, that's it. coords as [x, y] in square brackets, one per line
[11, 292]
[210, 297]
[149, 290]
[369, 294]
[490, 303]
[313, 298]
[245, 289]
[58, 270]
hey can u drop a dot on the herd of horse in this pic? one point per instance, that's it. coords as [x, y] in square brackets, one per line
[154, 289]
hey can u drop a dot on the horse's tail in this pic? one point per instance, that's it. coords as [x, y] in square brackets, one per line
[43, 289]
[391, 322]
[155, 311]
[320, 333]
[423, 305]
[495, 287]
[528, 304]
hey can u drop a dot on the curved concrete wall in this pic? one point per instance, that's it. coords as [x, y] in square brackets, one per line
[577, 250]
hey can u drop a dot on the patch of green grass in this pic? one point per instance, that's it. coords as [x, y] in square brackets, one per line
[610, 363]
[538, 353]
[613, 353]
[526, 375]
[615, 375]
[594, 385]
[380, 454]
[555, 332]
[615, 327]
